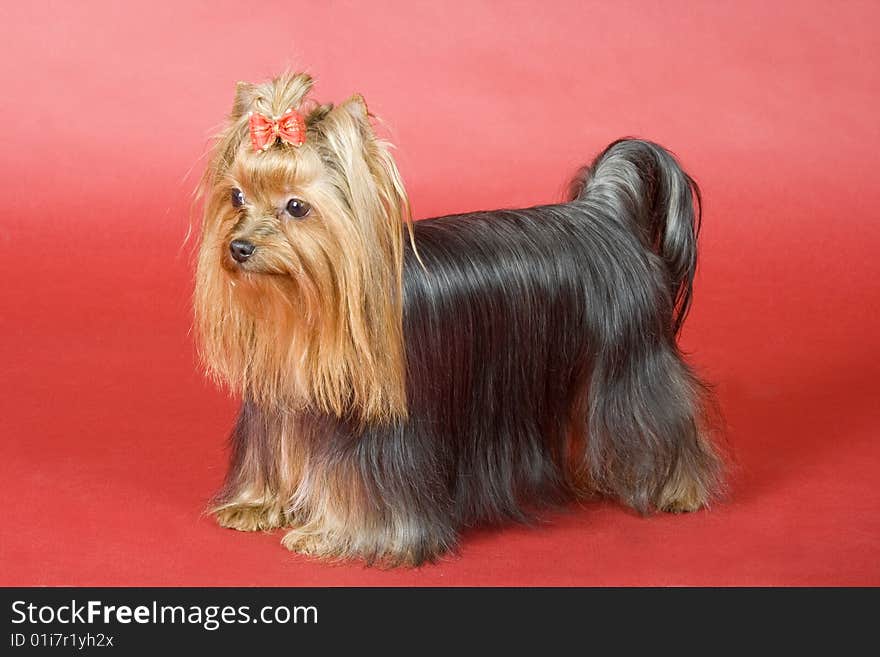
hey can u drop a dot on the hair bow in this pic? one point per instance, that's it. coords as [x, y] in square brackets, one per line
[289, 127]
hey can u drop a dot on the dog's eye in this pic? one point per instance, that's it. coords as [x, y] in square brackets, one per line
[298, 208]
[237, 197]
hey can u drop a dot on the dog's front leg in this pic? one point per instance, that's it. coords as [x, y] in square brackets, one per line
[381, 501]
[252, 494]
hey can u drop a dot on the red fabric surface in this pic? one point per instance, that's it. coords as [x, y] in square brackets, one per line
[111, 441]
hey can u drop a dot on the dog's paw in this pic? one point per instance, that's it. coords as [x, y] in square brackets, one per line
[683, 497]
[311, 543]
[249, 518]
[329, 546]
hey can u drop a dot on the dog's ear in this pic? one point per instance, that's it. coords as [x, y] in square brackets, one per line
[244, 98]
[375, 189]
[354, 112]
[376, 202]
[374, 183]
[357, 107]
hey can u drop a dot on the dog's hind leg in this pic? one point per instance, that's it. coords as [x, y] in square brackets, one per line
[647, 436]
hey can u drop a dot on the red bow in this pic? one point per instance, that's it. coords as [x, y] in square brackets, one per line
[289, 127]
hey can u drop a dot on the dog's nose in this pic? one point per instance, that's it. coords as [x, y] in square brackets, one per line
[241, 250]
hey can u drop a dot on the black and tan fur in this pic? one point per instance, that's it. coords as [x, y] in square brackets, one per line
[401, 382]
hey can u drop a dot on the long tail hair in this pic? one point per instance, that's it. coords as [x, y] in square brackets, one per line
[647, 430]
[649, 190]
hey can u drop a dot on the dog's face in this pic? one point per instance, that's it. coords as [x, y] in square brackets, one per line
[299, 270]
[302, 212]
[280, 216]
[297, 212]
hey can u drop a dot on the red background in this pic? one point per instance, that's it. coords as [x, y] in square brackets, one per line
[111, 441]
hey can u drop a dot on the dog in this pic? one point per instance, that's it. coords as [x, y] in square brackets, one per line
[403, 381]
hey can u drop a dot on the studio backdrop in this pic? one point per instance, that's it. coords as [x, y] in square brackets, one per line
[111, 440]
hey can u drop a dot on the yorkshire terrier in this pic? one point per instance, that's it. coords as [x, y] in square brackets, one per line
[402, 381]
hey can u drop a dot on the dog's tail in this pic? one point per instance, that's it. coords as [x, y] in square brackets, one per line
[650, 191]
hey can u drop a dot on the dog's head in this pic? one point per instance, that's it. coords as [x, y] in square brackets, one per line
[298, 281]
